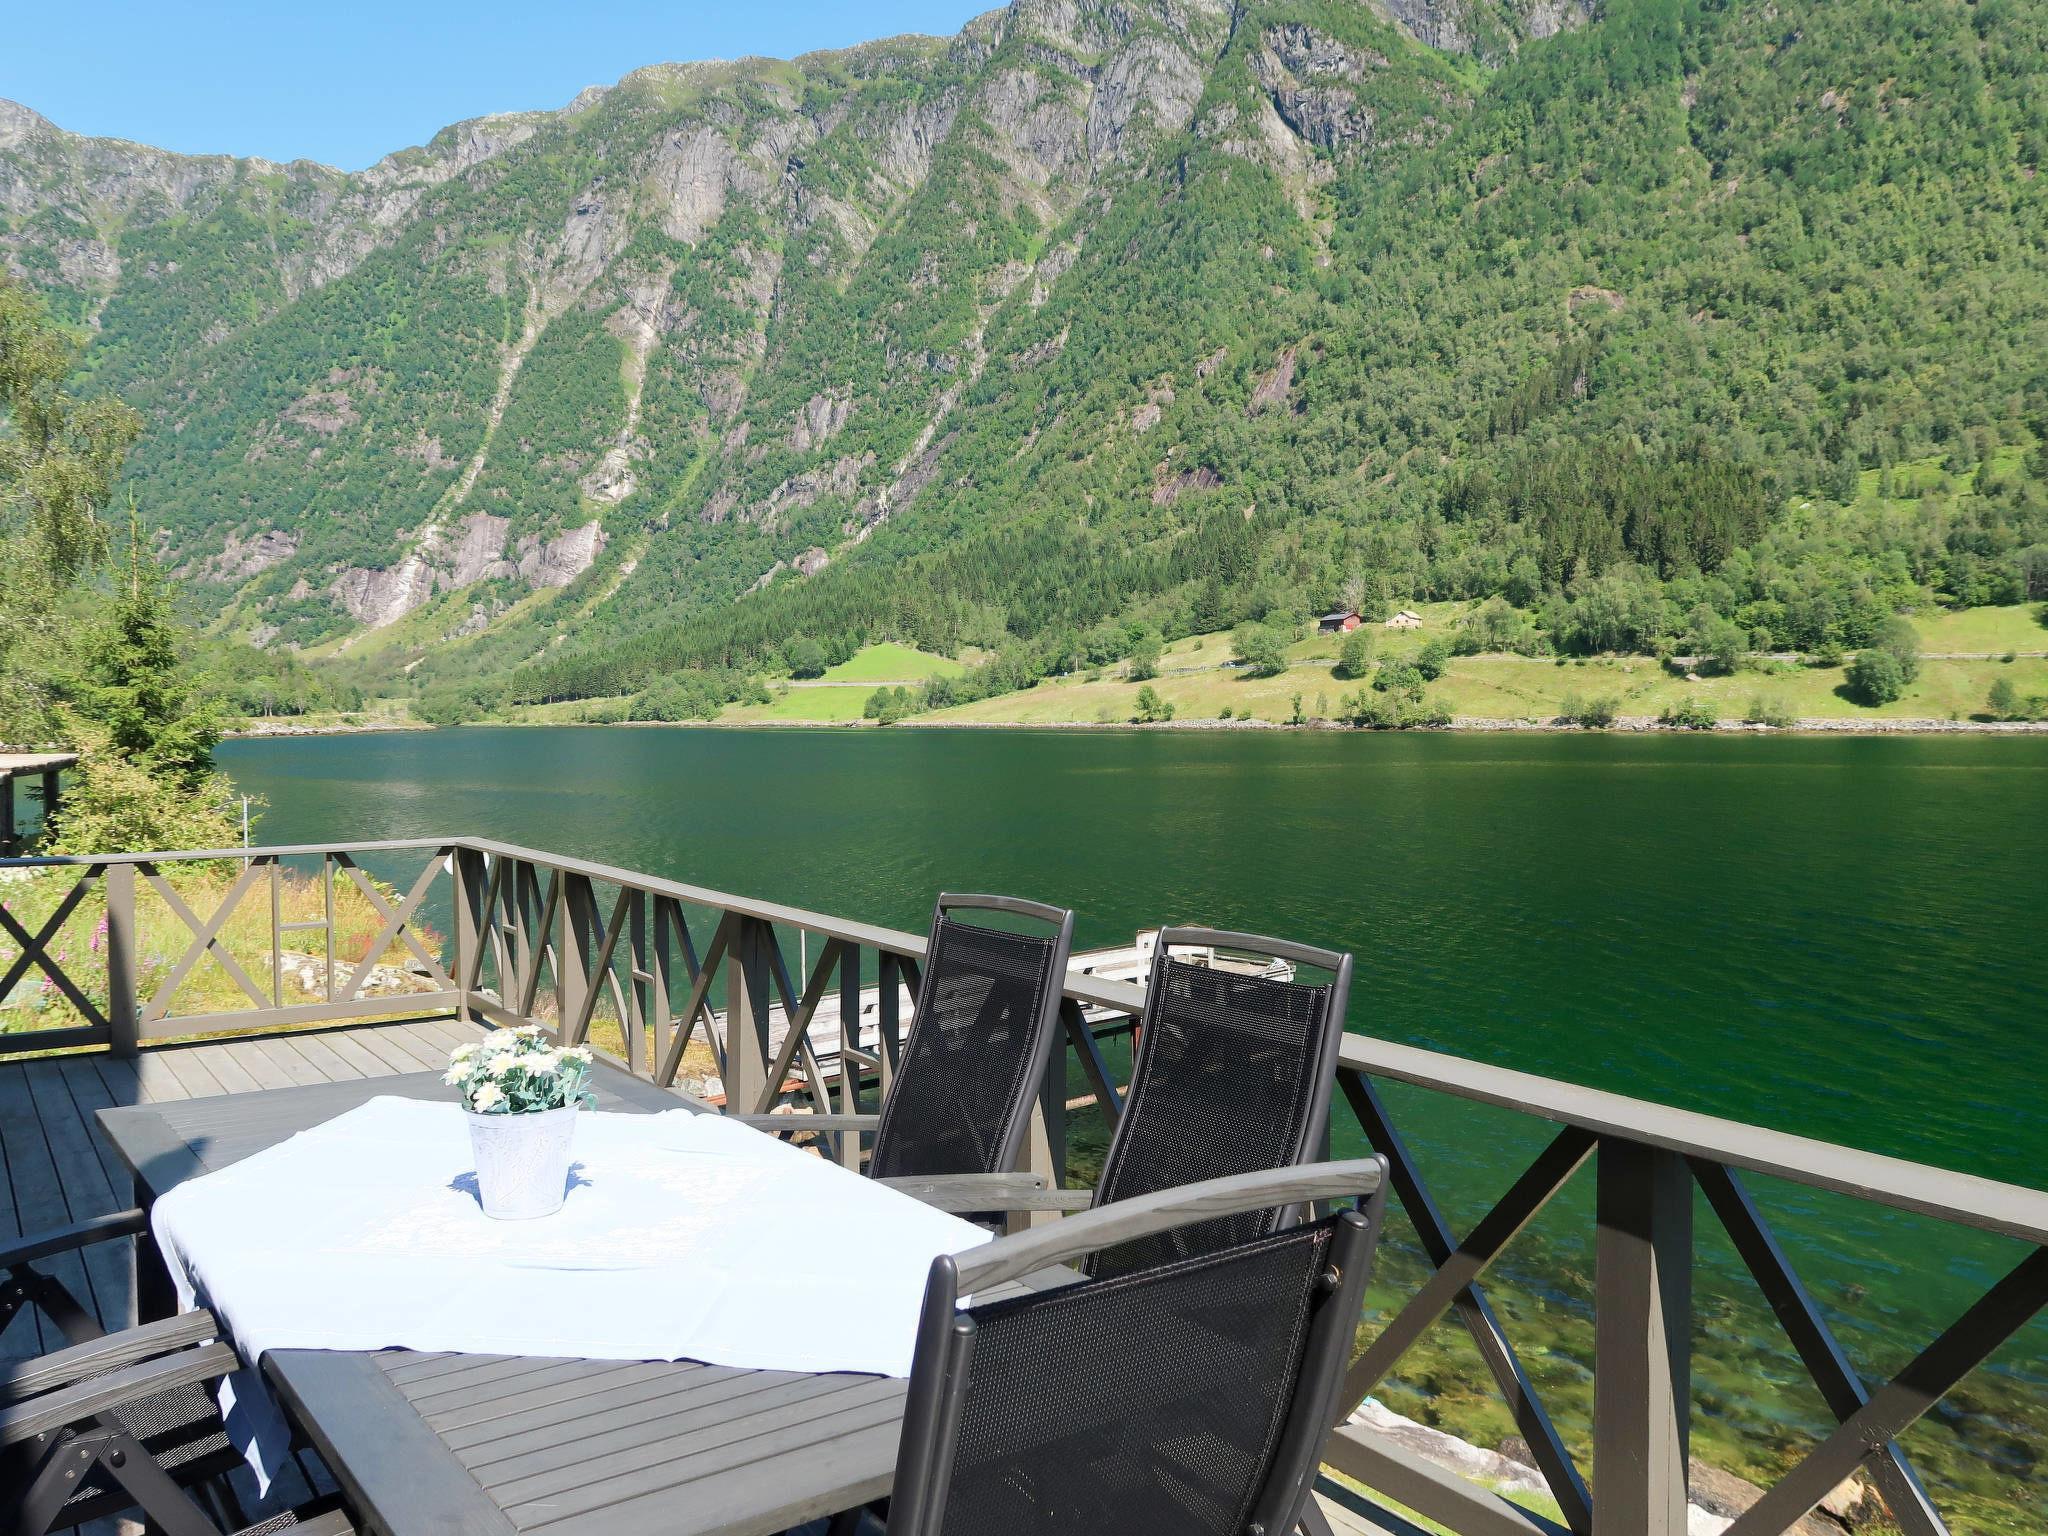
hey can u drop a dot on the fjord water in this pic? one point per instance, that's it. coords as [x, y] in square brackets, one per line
[1837, 937]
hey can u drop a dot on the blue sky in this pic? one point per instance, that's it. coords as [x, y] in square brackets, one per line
[348, 83]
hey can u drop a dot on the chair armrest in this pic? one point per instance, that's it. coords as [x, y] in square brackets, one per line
[90, 1399]
[83, 1234]
[786, 1124]
[965, 1193]
[22, 1379]
[1011, 1258]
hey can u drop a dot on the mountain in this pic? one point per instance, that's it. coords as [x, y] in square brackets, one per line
[1101, 315]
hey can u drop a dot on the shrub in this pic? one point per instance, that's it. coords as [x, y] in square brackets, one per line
[1902, 640]
[1692, 715]
[1876, 677]
[885, 706]
[2003, 701]
[1262, 648]
[1399, 678]
[1594, 714]
[1369, 710]
[1495, 626]
[806, 657]
[1151, 708]
[1144, 657]
[1354, 656]
[1718, 640]
[1432, 660]
[1771, 712]
[679, 696]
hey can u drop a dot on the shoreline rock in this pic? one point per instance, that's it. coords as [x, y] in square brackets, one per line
[1625, 725]
[1718, 1497]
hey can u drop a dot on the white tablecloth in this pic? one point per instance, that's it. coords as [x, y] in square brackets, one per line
[684, 1236]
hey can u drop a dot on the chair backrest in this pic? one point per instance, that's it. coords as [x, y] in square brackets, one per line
[122, 1421]
[1188, 1400]
[984, 1029]
[1232, 1075]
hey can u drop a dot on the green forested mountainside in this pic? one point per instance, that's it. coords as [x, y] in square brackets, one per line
[1099, 321]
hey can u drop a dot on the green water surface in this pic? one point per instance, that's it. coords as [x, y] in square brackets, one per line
[1837, 937]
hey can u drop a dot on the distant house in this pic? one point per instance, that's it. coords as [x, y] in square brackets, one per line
[1407, 618]
[1340, 623]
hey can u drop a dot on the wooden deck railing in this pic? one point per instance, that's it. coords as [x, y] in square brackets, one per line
[532, 935]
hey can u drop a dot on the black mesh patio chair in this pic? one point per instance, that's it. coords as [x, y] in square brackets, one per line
[102, 1427]
[1233, 1074]
[1188, 1399]
[179, 1424]
[982, 1034]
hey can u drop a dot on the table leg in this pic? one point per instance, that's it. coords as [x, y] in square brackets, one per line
[155, 1298]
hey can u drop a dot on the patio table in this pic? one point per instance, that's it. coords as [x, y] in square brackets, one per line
[488, 1445]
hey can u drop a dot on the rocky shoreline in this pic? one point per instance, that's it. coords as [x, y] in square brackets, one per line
[1718, 1497]
[370, 728]
[1623, 725]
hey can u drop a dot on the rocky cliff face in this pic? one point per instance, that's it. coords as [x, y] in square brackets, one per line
[715, 320]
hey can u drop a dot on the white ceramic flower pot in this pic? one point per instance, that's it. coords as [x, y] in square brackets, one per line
[522, 1161]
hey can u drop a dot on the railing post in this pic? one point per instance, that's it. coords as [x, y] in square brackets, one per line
[849, 1041]
[123, 1005]
[746, 1016]
[572, 957]
[1045, 1150]
[472, 878]
[1642, 1341]
[639, 996]
[888, 1010]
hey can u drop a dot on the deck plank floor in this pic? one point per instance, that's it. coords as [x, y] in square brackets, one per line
[55, 1168]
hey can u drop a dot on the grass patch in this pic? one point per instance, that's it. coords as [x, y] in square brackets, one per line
[821, 706]
[1508, 688]
[79, 946]
[2016, 627]
[891, 663]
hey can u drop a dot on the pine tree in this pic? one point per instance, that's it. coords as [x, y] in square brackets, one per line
[145, 777]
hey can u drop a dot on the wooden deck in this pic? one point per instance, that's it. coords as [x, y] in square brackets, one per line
[58, 1169]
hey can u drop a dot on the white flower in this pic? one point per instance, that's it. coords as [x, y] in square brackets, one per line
[487, 1097]
[463, 1052]
[578, 1053]
[498, 1066]
[453, 1075]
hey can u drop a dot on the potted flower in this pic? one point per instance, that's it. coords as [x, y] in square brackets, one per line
[520, 1095]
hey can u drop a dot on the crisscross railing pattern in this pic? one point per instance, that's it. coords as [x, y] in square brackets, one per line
[120, 992]
[655, 970]
[1647, 1158]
